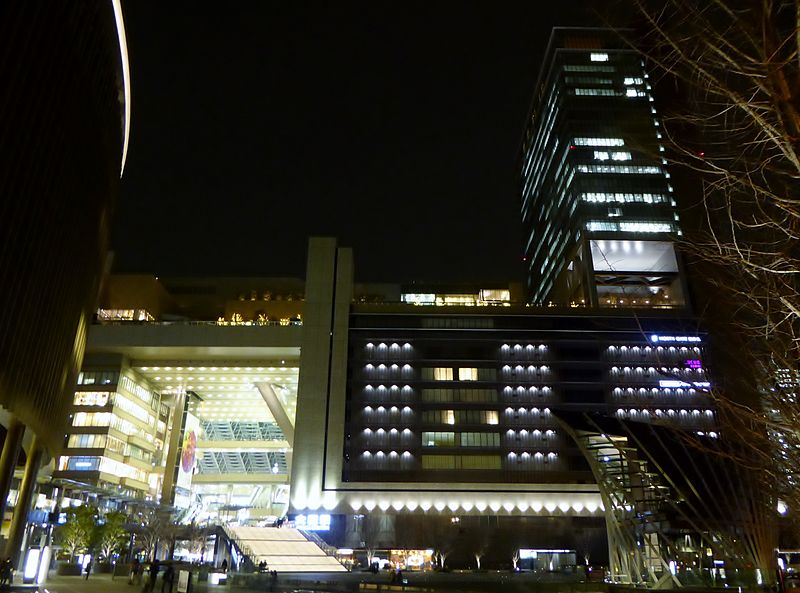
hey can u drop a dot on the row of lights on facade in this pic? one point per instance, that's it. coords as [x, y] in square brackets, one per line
[480, 506]
[541, 347]
[668, 411]
[654, 391]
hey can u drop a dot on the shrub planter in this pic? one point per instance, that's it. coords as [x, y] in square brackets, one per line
[68, 569]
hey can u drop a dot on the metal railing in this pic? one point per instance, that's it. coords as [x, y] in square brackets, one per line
[321, 543]
[182, 322]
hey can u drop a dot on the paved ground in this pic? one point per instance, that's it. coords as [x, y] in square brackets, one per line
[341, 582]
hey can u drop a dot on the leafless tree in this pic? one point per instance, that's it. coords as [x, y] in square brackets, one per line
[371, 529]
[735, 68]
[476, 540]
[156, 528]
[441, 535]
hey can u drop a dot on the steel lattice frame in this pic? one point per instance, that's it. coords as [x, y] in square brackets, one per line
[642, 500]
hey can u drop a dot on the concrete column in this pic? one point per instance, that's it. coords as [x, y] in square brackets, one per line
[173, 450]
[276, 408]
[8, 460]
[20, 518]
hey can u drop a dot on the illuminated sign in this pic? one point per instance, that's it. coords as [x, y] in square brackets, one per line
[188, 452]
[694, 364]
[675, 383]
[656, 339]
[313, 522]
[345, 551]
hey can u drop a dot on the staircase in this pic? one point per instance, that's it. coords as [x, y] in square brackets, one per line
[283, 549]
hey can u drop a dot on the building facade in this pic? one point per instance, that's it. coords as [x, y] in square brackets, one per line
[598, 212]
[187, 396]
[64, 116]
[416, 408]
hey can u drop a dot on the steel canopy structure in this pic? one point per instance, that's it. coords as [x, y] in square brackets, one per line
[677, 511]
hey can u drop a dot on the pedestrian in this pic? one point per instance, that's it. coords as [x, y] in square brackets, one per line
[6, 572]
[134, 571]
[88, 568]
[154, 566]
[166, 580]
[273, 580]
[225, 565]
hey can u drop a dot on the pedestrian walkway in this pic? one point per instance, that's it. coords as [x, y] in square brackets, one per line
[283, 549]
[99, 583]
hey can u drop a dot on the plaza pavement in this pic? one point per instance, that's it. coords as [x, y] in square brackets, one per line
[341, 583]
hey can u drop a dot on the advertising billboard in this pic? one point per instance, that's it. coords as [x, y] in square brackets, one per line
[188, 454]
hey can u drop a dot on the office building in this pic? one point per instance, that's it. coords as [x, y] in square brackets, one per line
[452, 411]
[64, 116]
[392, 416]
[187, 396]
[598, 211]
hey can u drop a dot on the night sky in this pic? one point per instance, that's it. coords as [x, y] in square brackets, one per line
[392, 126]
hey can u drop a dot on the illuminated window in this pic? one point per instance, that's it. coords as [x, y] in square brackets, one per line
[91, 419]
[480, 439]
[468, 374]
[577, 68]
[97, 378]
[460, 417]
[480, 461]
[596, 92]
[621, 169]
[587, 80]
[598, 142]
[459, 395]
[79, 463]
[600, 197]
[442, 374]
[602, 155]
[87, 441]
[438, 462]
[418, 299]
[438, 439]
[455, 299]
[646, 227]
[91, 398]
[495, 295]
[434, 462]
[124, 315]
[135, 389]
[134, 410]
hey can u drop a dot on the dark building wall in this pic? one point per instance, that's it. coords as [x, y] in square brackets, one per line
[449, 396]
[61, 121]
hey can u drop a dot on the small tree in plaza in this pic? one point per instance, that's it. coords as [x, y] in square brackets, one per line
[77, 534]
[155, 526]
[112, 534]
[197, 536]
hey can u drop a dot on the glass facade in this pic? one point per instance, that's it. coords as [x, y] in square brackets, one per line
[116, 437]
[592, 169]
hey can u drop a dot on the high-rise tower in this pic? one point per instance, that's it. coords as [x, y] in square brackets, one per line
[599, 217]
